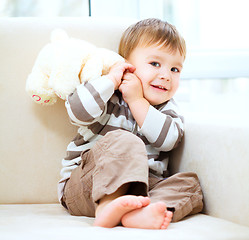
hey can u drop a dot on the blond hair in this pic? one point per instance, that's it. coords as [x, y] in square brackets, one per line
[149, 32]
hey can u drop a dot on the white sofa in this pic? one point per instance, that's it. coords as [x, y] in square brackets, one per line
[34, 139]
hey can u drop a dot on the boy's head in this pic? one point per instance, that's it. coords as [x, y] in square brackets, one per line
[149, 32]
[157, 51]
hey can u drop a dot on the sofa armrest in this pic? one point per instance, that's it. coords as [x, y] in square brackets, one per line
[217, 149]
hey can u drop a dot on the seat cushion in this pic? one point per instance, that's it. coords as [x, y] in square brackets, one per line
[51, 221]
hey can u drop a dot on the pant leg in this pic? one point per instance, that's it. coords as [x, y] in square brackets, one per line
[118, 158]
[77, 197]
[181, 193]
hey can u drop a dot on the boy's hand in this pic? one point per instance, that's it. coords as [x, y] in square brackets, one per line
[117, 71]
[132, 92]
[131, 88]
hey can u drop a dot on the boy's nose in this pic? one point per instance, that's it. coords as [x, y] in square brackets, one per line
[165, 75]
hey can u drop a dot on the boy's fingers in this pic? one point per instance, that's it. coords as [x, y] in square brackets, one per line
[129, 67]
[128, 76]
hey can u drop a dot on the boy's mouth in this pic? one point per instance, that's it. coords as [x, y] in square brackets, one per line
[159, 87]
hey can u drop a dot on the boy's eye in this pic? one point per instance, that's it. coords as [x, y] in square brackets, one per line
[155, 64]
[175, 69]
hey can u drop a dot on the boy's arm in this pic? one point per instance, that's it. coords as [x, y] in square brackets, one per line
[88, 102]
[163, 129]
[139, 110]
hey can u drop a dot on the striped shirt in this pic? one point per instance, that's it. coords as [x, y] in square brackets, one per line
[97, 109]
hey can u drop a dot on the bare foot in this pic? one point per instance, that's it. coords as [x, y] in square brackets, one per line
[153, 216]
[111, 214]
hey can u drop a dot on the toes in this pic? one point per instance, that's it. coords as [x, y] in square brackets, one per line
[164, 226]
[167, 220]
[169, 215]
[144, 200]
[139, 204]
[161, 207]
[135, 202]
[131, 203]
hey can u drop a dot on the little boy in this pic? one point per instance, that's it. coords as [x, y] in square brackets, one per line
[113, 170]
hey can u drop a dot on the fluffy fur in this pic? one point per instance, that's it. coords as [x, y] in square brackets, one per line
[65, 63]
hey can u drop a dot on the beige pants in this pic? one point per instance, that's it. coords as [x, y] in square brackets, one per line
[120, 157]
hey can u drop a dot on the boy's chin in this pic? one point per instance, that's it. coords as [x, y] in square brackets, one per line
[155, 102]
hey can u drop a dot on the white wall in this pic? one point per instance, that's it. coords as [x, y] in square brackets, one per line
[216, 31]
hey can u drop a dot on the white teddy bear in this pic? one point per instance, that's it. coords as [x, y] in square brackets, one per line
[65, 63]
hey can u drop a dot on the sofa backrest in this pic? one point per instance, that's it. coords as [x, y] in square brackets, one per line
[34, 138]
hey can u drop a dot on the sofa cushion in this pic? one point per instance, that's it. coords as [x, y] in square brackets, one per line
[51, 221]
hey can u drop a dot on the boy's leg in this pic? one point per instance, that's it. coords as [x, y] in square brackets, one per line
[105, 174]
[122, 157]
[181, 193]
[77, 196]
[116, 165]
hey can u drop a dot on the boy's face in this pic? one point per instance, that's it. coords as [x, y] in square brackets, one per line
[158, 70]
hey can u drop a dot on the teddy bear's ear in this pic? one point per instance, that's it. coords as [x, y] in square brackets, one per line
[58, 35]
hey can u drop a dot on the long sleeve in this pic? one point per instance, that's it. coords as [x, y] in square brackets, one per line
[163, 128]
[89, 101]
